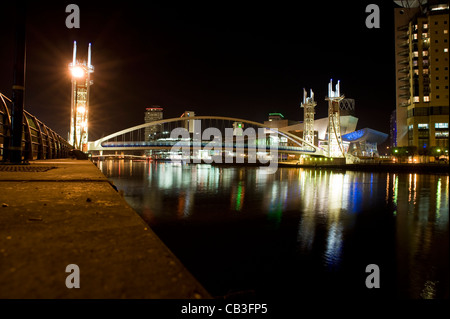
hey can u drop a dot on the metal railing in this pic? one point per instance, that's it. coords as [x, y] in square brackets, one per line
[38, 140]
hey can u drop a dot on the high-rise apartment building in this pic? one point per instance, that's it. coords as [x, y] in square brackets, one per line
[421, 55]
[393, 129]
[153, 113]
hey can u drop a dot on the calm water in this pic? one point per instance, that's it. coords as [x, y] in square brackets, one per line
[299, 232]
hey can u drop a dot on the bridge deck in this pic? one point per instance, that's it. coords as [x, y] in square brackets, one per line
[129, 146]
[60, 212]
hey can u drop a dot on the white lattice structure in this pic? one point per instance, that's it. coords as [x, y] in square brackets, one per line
[308, 116]
[335, 147]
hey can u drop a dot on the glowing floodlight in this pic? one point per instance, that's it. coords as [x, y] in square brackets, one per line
[77, 72]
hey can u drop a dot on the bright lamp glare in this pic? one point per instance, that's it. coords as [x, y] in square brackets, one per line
[81, 109]
[77, 72]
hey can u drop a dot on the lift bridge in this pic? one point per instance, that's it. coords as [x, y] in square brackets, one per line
[206, 135]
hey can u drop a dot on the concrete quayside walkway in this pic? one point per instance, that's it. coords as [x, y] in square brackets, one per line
[59, 212]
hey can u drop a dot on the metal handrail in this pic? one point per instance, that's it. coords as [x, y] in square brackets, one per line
[38, 140]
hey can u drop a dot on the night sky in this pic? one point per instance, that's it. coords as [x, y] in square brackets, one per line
[218, 58]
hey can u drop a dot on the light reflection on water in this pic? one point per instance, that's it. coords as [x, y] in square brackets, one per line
[399, 215]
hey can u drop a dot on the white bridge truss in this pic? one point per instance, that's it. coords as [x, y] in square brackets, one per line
[303, 147]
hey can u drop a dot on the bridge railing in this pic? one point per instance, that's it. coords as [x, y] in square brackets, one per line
[38, 140]
[181, 143]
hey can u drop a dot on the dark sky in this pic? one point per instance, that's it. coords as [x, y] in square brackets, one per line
[216, 58]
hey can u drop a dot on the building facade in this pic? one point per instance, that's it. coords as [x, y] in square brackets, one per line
[152, 114]
[393, 129]
[422, 94]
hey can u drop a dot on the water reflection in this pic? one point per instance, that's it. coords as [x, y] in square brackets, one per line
[330, 209]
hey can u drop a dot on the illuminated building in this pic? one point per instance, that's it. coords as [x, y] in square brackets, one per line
[152, 114]
[238, 128]
[361, 143]
[81, 82]
[189, 125]
[277, 120]
[364, 142]
[421, 55]
[393, 129]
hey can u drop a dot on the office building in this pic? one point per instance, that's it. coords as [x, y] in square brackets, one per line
[152, 114]
[421, 56]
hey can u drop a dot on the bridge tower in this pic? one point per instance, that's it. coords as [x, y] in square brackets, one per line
[335, 147]
[81, 82]
[308, 117]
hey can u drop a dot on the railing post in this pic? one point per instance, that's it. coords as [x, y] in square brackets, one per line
[54, 145]
[48, 151]
[6, 132]
[28, 139]
[40, 154]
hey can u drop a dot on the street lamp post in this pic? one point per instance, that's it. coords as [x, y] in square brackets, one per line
[15, 147]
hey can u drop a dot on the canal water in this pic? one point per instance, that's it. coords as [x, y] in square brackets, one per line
[298, 233]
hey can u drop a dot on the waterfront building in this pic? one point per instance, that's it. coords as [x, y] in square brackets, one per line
[152, 114]
[421, 56]
[393, 129]
[189, 124]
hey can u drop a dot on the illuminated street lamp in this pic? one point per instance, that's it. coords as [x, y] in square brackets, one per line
[77, 72]
[81, 82]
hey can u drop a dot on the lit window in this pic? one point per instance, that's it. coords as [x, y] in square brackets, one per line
[415, 54]
[445, 49]
[426, 99]
[425, 26]
[424, 35]
[441, 125]
[445, 31]
[416, 99]
[410, 127]
[425, 71]
[422, 126]
[425, 53]
[415, 36]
